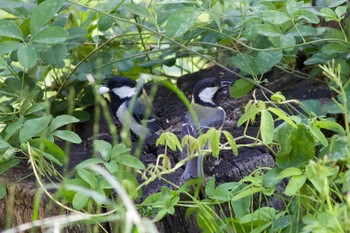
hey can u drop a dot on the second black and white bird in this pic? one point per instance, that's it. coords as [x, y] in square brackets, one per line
[131, 115]
[209, 115]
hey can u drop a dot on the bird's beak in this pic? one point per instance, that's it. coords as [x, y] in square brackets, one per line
[103, 90]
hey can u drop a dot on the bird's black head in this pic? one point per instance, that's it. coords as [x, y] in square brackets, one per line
[205, 91]
[119, 87]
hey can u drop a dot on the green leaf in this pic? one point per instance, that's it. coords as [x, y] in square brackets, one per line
[27, 56]
[130, 161]
[136, 9]
[67, 135]
[43, 13]
[214, 140]
[266, 126]
[3, 63]
[282, 115]
[334, 48]
[49, 148]
[282, 136]
[303, 30]
[231, 141]
[288, 172]
[293, 6]
[270, 179]
[268, 30]
[210, 187]
[267, 59]
[9, 46]
[328, 14]
[181, 21]
[294, 185]
[105, 23]
[6, 165]
[309, 16]
[80, 200]
[88, 177]
[51, 35]
[36, 108]
[10, 29]
[340, 11]
[240, 88]
[33, 127]
[82, 116]
[248, 115]
[87, 163]
[76, 32]
[62, 120]
[275, 17]
[319, 135]
[246, 63]
[2, 190]
[4, 144]
[319, 174]
[54, 55]
[337, 150]
[285, 42]
[170, 139]
[335, 3]
[104, 148]
[12, 128]
[119, 149]
[330, 125]
[302, 149]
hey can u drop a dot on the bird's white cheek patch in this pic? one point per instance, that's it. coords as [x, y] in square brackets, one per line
[103, 90]
[207, 94]
[124, 92]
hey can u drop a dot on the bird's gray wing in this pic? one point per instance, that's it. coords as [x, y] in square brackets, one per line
[139, 112]
[216, 121]
[188, 128]
[194, 167]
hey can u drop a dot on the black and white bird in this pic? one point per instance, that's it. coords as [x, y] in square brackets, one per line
[209, 115]
[131, 115]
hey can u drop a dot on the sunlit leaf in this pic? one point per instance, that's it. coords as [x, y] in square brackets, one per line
[80, 200]
[27, 56]
[33, 127]
[130, 161]
[67, 136]
[62, 120]
[103, 148]
[231, 141]
[8, 46]
[275, 16]
[248, 115]
[51, 35]
[302, 148]
[269, 30]
[136, 9]
[240, 88]
[181, 21]
[294, 185]
[10, 29]
[266, 126]
[43, 13]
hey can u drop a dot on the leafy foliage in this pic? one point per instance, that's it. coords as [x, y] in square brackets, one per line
[47, 50]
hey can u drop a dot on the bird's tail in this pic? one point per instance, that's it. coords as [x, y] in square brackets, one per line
[194, 168]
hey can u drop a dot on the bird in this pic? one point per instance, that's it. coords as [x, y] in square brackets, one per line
[209, 115]
[131, 115]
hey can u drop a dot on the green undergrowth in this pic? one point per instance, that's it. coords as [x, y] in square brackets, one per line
[54, 53]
